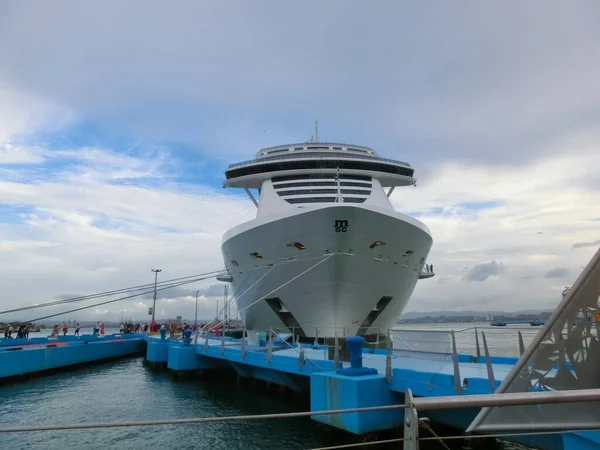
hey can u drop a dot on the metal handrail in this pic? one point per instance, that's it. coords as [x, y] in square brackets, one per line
[507, 399]
[411, 419]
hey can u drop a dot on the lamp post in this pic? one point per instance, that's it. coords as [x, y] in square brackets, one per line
[154, 302]
[196, 316]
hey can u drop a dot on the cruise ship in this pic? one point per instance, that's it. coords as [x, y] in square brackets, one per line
[327, 255]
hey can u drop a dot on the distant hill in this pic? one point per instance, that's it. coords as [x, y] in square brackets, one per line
[471, 316]
[418, 314]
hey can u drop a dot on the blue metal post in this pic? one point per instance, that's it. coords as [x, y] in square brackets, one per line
[187, 336]
[163, 334]
[355, 346]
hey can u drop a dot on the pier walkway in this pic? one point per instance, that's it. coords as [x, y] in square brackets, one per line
[22, 357]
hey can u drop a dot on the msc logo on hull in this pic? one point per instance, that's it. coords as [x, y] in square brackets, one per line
[341, 226]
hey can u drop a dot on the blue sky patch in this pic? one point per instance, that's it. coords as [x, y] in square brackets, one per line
[478, 206]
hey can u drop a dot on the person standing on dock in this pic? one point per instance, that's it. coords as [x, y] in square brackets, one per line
[77, 328]
[65, 329]
[102, 329]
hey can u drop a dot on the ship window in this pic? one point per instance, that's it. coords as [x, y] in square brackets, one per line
[279, 151]
[309, 183]
[376, 244]
[350, 183]
[355, 191]
[299, 148]
[318, 148]
[235, 263]
[308, 191]
[354, 177]
[256, 255]
[298, 245]
[308, 176]
[354, 200]
[311, 200]
[337, 148]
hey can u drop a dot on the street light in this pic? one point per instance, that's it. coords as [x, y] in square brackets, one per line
[154, 302]
[196, 316]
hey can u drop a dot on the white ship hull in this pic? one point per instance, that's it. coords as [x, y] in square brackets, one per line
[344, 279]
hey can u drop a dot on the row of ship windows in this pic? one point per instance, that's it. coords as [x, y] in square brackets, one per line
[283, 150]
[321, 183]
[339, 164]
[323, 191]
[320, 176]
[324, 200]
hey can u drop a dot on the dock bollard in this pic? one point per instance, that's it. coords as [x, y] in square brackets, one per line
[163, 334]
[355, 346]
[187, 337]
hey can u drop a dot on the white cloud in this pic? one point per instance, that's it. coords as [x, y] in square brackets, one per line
[527, 218]
[12, 154]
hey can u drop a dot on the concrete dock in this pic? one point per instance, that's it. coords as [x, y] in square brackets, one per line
[23, 357]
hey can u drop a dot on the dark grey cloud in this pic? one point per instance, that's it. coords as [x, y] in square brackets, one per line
[482, 272]
[452, 81]
[214, 290]
[557, 272]
[586, 244]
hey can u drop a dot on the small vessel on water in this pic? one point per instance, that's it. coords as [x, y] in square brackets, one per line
[327, 254]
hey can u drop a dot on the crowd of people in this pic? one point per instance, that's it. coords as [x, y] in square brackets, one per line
[130, 327]
[174, 327]
[22, 331]
[125, 328]
[64, 328]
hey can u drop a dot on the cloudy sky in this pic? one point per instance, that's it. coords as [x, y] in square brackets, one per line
[118, 119]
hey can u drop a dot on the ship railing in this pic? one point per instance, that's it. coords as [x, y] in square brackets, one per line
[312, 155]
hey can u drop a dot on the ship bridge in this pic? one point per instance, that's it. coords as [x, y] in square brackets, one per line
[318, 158]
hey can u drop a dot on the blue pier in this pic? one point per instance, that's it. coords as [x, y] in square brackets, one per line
[20, 357]
[305, 368]
[361, 383]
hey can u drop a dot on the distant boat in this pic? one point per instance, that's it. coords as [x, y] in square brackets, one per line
[536, 323]
[498, 324]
